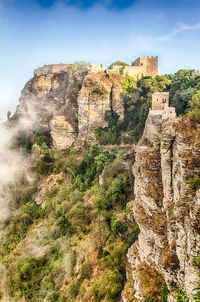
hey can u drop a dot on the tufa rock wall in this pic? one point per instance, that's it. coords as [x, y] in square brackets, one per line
[168, 214]
[98, 94]
[70, 104]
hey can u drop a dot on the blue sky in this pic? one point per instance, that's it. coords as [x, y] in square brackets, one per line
[38, 32]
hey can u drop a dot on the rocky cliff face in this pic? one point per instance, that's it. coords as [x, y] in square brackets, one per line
[71, 103]
[168, 214]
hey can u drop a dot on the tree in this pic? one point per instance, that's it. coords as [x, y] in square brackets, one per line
[118, 63]
[195, 104]
[82, 65]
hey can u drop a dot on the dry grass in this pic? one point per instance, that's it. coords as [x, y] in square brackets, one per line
[150, 280]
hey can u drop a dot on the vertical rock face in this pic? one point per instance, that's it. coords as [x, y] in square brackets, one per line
[168, 214]
[98, 94]
[71, 104]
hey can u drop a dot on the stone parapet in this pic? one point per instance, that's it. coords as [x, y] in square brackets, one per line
[53, 68]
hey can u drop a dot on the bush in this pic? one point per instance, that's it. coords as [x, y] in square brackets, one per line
[165, 293]
[149, 299]
[118, 63]
[109, 286]
[73, 289]
[65, 227]
[194, 183]
[78, 217]
[116, 258]
[44, 163]
[116, 225]
[83, 174]
[100, 252]
[181, 296]
[197, 289]
[21, 197]
[86, 271]
[99, 91]
[18, 226]
[52, 297]
[28, 276]
[117, 183]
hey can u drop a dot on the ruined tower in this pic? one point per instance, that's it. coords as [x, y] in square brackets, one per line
[148, 65]
[159, 100]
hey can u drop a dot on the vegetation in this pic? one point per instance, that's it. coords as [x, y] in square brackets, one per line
[184, 90]
[75, 206]
[118, 63]
[197, 289]
[79, 66]
[181, 296]
[18, 226]
[165, 293]
[194, 183]
[81, 230]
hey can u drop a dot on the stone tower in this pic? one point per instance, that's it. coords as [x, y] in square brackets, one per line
[160, 100]
[149, 65]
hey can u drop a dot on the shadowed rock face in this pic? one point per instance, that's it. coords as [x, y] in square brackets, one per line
[71, 104]
[168, 214]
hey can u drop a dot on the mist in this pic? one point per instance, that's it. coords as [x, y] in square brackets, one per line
[14, 163]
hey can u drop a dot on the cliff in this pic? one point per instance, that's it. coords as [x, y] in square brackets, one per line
[72, 103]
[167, 211]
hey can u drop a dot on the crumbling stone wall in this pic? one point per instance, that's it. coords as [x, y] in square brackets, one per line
[53, 68]
[152, 66]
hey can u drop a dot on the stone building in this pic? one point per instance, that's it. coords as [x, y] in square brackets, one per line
[158, 114]
[51, 68]
[159, 100]
[97, 67]
[160, 106]
[142, 66]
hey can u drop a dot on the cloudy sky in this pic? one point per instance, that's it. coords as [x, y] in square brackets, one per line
[38, 32]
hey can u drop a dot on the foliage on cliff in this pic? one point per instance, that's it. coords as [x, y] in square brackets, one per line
[184, 90]
[71, 246]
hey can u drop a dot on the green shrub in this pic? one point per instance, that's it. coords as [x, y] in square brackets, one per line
[194, 183]
[197, 289]
[149, 299]
[21, 197]
[78, 217]
[44, 163]
[52, 297]
[165, 293]
[99, 91]
[181, 295]
[118, 63]
[84, 174]
[102, 203]
[109, 286]
[86, 271]
[116, 258]
[100, 252]
[197, 294]
[116, 225]
[28, 276]
[65, 227]
[73, 289]
[18, 226]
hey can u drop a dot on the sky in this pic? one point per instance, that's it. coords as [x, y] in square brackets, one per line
[38, 32]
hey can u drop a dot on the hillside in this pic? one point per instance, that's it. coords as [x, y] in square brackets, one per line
[93, 211]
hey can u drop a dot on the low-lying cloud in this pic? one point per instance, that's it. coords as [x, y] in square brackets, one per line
[14, 165]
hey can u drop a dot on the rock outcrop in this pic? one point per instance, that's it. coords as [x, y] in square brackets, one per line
[167, 211]
[70, 103]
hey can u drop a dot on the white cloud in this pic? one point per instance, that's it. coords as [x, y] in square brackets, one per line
[181, 28]
[151, 43]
